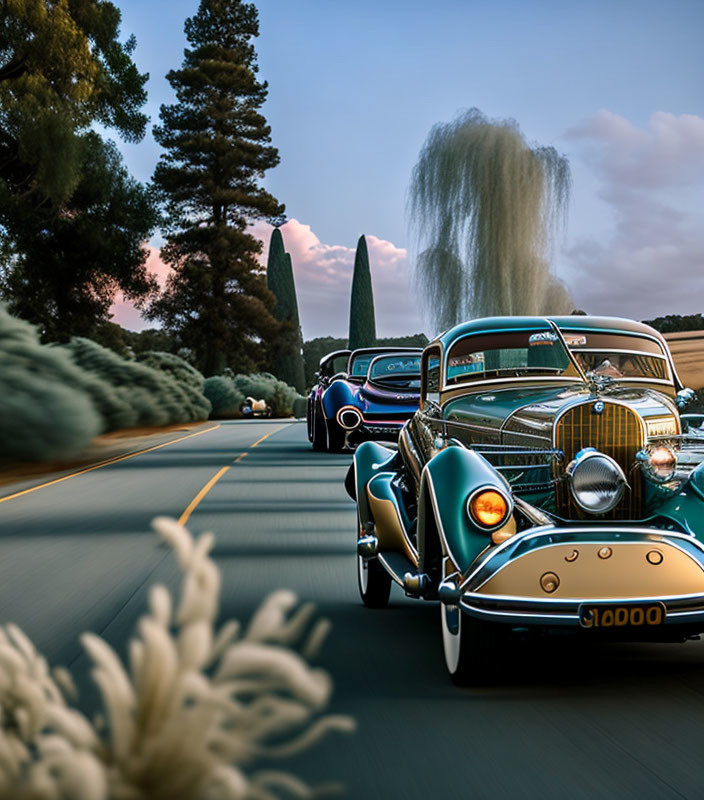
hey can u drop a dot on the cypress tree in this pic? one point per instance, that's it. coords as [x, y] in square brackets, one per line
[287, 349]
[218, 146]
[362, 325]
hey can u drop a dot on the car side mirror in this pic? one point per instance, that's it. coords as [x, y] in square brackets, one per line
[684, 397]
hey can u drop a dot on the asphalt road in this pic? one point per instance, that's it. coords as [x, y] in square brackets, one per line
[616, 721]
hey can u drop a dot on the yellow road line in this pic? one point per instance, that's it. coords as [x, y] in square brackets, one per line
[267, 435]
[106, 463]
[201, 494]
[209, 485]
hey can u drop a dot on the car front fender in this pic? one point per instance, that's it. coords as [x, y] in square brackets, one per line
[447, 481]
[370, 459]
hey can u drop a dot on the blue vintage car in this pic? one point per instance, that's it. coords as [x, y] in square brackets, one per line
[370, 400]
[544, 483]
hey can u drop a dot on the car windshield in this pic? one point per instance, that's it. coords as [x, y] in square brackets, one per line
[334, 365]
[360, 364]
[396, 370]
[619, 357]
[527, 353]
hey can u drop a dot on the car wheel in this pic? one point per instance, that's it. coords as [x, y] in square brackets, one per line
[319, 436]
[373, 580]
[335, 436]
[309, 418]
[471, 647]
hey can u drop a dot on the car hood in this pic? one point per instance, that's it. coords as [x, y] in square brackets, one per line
[532, 411]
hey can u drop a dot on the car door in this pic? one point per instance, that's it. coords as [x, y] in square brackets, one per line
[422, 432]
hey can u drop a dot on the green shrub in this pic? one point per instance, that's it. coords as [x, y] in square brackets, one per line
[299, 407]
[154, 397]
[224, 397]
[173, 365]
[44, 412]
[264, 386]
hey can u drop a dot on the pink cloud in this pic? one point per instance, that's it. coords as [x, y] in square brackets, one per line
[323, 275]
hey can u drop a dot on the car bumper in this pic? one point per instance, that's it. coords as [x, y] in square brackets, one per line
[596, 566]
[375, 432]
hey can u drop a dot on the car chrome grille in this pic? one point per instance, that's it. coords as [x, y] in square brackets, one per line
[616, 431]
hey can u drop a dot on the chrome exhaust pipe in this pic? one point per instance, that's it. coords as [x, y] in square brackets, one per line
[349, 418]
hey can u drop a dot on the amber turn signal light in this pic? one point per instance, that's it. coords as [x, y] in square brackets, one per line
[488, 508]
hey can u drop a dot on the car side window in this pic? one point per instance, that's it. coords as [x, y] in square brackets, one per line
[431, 377]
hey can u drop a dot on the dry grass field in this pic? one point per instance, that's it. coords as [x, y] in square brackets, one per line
[688, 352]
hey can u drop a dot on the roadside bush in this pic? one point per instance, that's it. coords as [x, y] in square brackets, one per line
[189, 715]
[173, 365]
[264, 386]
[44, 412]
[154, 397]
[55, 398]
[224, 397]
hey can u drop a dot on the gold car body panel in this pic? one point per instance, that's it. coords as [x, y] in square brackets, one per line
[388, 527]
[599, 571]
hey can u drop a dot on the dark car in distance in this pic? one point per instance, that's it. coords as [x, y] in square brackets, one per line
[370, 399]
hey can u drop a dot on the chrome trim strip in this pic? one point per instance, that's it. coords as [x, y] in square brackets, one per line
[386, 566]
[436, 511]
[578, 349]
[580, 372]
[536, 379]
[567, 601]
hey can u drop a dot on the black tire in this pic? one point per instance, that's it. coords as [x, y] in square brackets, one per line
[309, 418]
[319, 437]
[374, 583]
[335, 436]
[472, 648]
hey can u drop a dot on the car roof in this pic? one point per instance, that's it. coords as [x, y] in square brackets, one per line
[578, 322]
[334, 354]
[384, 350]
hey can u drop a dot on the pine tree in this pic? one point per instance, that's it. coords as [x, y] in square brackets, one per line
[217, 148]
[362, 325]
[62, 67]
[286, 359]
[68, 264]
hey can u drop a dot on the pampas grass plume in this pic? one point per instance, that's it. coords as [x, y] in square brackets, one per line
[188, 716]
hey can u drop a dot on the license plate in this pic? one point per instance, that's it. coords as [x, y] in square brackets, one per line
[621, 616]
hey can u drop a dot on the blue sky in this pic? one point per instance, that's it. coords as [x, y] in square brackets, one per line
[356, 86]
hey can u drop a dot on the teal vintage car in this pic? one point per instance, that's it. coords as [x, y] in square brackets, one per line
[544, 483]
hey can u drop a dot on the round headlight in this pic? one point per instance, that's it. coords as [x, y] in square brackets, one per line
[659, 463]
[488, 508]
[596, 480]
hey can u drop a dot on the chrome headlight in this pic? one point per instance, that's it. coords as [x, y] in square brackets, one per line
[658, 462]
[596, 480]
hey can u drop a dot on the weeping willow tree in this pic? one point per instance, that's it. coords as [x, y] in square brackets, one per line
[485, 207]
